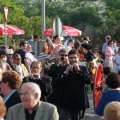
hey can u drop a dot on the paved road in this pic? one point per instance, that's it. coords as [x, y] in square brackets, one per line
[90, 114]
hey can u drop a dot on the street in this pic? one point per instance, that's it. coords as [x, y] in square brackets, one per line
[90, 114]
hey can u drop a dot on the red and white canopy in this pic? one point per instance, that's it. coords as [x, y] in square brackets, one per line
[10, 30]
[67, 31]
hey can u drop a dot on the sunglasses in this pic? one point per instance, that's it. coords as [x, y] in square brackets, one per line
[95, 49]
[18, 59]
[63, 55]
[111, 43]
[0, 82]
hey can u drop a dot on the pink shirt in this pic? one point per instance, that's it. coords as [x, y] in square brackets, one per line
[108, 53]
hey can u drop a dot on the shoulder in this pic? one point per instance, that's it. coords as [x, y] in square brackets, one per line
[83, 67]
[16, 107]
[110, 93]
[48, 105]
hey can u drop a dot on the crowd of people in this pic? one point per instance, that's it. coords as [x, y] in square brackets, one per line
[29, 92]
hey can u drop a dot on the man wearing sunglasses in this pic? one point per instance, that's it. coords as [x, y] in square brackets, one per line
[72, 96]
[53, 71]
[18, 66]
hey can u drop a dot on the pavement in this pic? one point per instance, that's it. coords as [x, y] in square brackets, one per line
[90, 113]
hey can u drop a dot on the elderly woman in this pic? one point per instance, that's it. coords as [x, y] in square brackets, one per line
[2, 108]
[112, 94]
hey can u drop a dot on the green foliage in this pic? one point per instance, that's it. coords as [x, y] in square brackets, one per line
[94, 19]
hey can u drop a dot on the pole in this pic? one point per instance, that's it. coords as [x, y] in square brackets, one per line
[5, 34]
[43, 19]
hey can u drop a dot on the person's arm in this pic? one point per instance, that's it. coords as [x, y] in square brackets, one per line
[103, 48]
[61, 77]
[55, 115]
[27, 64]
[101, 105]
[9, 115]
[53, 71]
[51, 44]
[86, 75]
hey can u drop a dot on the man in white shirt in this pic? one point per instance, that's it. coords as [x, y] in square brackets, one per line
[29, 56]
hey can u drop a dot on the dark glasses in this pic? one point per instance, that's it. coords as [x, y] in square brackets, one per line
[63, 55]
[111, 43]
[18, 59]
[0, 82]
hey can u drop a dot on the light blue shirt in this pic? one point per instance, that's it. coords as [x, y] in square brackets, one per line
[6, 98]
[104, 46]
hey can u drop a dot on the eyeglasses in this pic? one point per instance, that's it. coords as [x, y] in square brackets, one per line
[63, 55]
[1, 82]
[10, 54]
[36, 67]
[72, 57]
[26, 93]
[111, 43]
[18, 58]
[95, 49]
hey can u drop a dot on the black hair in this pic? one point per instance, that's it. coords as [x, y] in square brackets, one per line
[22, 43]
[35, 37]
[3, 52]
[113, 80]
[77, 44]
[107, 70]
[56, 36]
[109, 42]
[71, 52]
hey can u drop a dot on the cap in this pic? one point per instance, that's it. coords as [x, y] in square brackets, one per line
[9, 51]
[86, 46]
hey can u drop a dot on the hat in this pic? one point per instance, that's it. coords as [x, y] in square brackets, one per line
[9, 51]
[86, 46]
[70, 39]
[87, 38]
[67, 41]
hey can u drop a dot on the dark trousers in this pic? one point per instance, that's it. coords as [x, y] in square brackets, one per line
[70, 114]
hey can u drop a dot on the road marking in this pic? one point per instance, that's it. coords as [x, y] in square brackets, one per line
[92, 115]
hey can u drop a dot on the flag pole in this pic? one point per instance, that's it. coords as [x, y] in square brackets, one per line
[5, 18]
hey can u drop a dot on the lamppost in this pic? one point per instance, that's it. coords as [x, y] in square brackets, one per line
[5, 18]
[43, 19]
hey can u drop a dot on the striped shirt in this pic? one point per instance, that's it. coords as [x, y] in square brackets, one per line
[43, 56]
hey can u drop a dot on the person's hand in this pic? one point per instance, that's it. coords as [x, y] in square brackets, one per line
[60, 62]
[36, 75]
[76, 66]
[47, 37]
[30, 75]
[69, 68]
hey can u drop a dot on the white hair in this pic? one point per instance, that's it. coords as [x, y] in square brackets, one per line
[34, 87]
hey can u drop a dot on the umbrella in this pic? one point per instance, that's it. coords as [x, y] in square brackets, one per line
[67, 31]
[10, 30]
